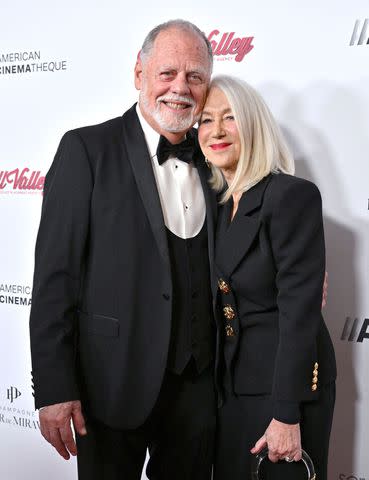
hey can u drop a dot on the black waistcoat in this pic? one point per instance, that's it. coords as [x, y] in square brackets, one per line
[192, 334]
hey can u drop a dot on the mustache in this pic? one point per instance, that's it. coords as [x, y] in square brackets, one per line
[176, 98]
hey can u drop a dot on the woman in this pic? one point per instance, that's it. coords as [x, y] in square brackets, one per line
[276, 363]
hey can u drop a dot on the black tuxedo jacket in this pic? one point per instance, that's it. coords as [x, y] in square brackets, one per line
[272, 257]
[102, 297]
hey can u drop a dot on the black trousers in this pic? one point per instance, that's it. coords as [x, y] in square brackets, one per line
[243, 419]
[179, 434]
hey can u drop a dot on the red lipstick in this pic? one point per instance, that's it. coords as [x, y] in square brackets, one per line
[219, 146]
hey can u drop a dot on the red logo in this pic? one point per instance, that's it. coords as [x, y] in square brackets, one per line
[21, 181]
[227, 46]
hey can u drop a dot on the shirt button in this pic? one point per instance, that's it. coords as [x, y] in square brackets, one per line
[166, 296]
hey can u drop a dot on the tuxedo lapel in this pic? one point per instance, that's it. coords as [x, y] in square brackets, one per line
[234, 242]
[138, 155]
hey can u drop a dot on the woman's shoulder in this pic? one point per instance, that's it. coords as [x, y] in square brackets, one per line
[282, 183]
[291, 191]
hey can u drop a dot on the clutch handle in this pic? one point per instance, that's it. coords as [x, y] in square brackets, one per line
[311, 475]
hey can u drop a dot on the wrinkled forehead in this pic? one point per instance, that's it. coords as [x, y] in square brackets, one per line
[175, 47]
[216, 99]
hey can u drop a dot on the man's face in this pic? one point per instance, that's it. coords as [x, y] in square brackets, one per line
[173, 82]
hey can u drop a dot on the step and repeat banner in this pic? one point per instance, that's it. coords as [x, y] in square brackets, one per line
[70, 64]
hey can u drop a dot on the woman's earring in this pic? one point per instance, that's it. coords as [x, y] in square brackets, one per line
[207, 162]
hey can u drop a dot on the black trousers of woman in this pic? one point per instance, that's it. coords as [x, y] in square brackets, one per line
[243, 419]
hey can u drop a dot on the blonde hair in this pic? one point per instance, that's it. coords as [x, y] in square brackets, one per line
[263, 148]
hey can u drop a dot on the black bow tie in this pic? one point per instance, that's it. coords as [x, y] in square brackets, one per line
[183, 151]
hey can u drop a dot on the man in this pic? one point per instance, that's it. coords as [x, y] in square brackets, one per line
[121, 321]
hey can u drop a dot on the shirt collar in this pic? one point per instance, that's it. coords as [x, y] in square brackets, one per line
[152, 137]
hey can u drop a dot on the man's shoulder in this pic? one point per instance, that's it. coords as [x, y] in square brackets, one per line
[105, 129]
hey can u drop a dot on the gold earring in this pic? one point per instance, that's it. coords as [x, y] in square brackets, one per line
[207, 162]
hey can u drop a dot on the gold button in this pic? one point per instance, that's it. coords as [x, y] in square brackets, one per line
[315, 380]
[315, 373]
[228, 312]
[223, 286]
[316, 366]
[314, 387]
[229, 331]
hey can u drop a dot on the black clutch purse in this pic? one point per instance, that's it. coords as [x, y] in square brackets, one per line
[260, 457]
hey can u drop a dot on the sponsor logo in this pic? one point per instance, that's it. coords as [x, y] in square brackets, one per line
[15, 294]
[18, 63]
[12, 394]
[360, 33]
[355, 330]
[228, 46]
[19, 418]
[21, 181]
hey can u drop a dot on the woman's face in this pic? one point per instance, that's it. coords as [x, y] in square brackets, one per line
[218, 134]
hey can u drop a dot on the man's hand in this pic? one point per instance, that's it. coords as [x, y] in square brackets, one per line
[325, 290]
[55, 424]
[283, 442]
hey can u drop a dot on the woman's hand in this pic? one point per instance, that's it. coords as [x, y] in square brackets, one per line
[283, 442]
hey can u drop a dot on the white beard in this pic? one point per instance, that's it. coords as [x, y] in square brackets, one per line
[170, 123]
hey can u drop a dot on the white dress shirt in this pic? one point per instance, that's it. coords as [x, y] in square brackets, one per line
[179, 186]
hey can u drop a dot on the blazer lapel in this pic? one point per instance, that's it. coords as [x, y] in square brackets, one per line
[234, 243]
[138, 155]
[211, 210]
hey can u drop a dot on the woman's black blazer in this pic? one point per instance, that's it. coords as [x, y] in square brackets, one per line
[270, 263]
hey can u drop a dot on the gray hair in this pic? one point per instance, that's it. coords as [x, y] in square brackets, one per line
[263, 147]
[179, 24]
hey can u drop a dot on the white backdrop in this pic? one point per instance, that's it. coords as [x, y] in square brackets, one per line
[316, 84]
